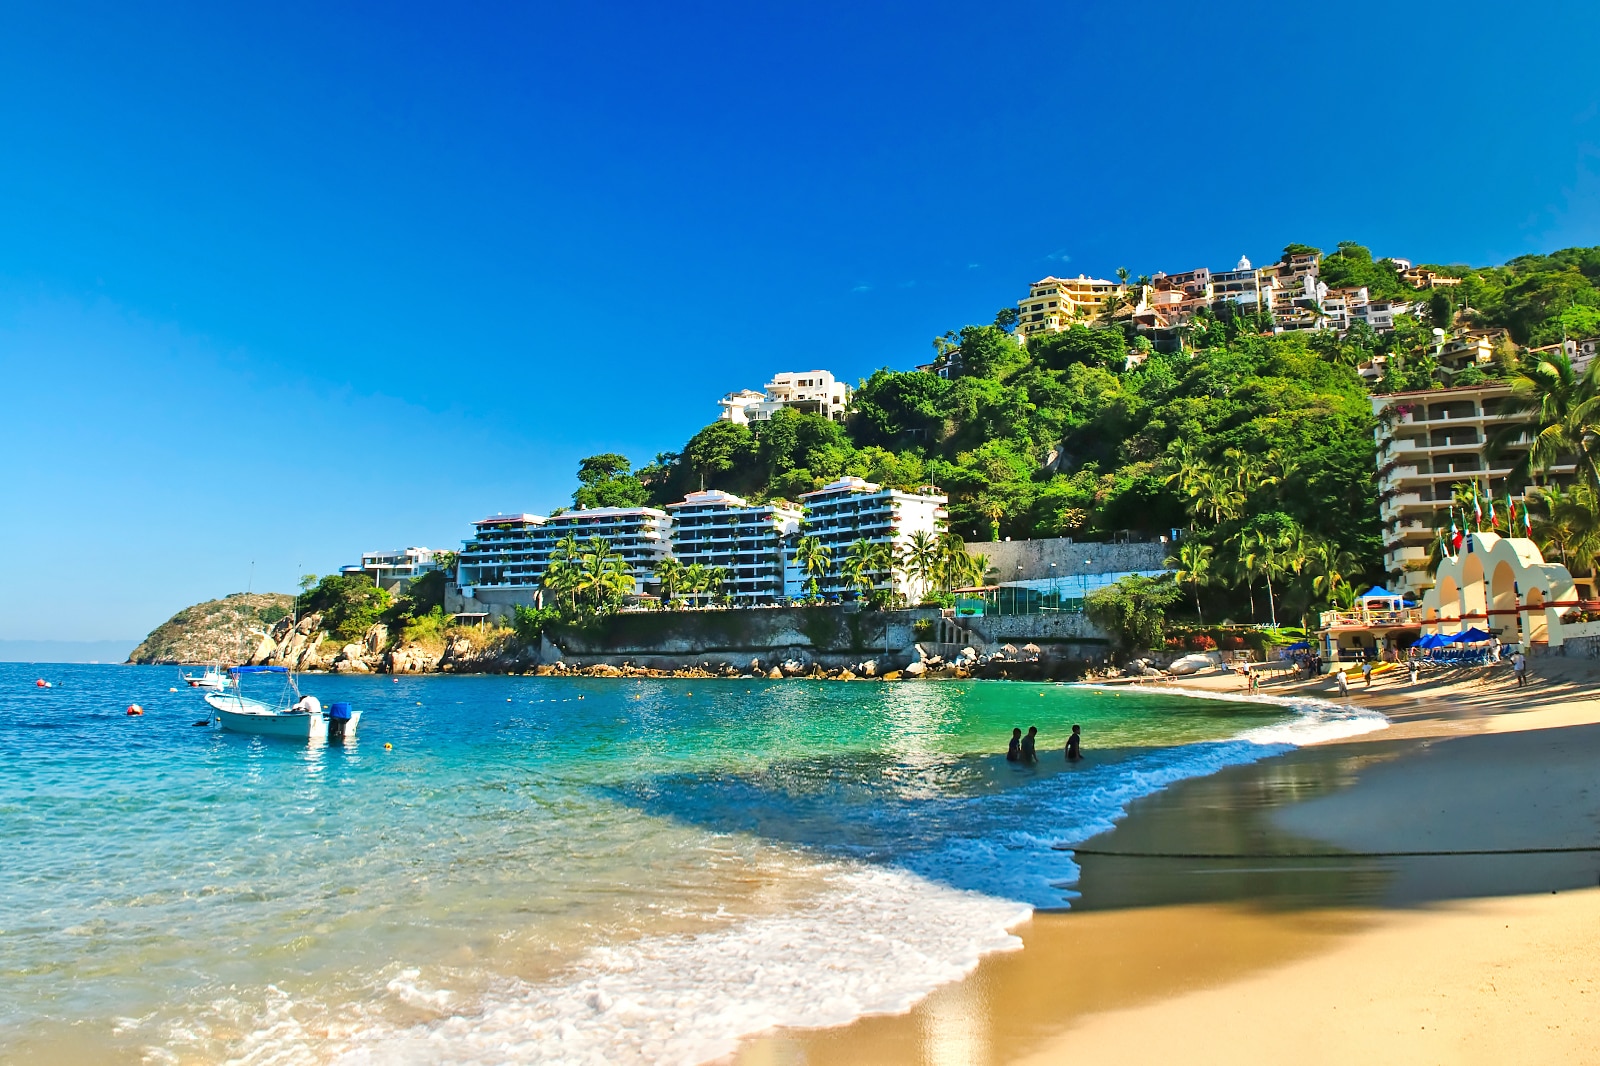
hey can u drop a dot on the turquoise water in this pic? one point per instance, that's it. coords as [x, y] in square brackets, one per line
[544, 869]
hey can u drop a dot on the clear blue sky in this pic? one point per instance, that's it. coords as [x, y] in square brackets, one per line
[282, 284]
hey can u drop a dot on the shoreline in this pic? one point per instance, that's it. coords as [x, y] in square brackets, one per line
[1262, 957]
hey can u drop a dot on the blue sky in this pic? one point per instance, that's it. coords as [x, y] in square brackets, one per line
[280, 285]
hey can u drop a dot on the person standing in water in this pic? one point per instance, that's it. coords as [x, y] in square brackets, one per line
[1342, 681]
[1074, 745]
[1014, 752]
[1028, 753]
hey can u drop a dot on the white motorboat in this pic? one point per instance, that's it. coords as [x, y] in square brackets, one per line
[213, 679]
[303, 718]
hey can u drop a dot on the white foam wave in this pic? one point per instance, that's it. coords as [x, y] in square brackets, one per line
[1316, 721]
[875, 941]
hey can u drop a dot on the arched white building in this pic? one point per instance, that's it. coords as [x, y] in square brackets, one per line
[1502, 585]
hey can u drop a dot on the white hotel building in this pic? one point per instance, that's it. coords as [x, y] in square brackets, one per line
[751, 543]
[850, 509]
[504, 562]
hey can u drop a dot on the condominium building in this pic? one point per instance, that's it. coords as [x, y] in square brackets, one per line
[1242, 285]
[1054, 304]
[749, 542]
[397, 569]
[815, 392]
[1428, 443]
[506, 558]
[850, 509]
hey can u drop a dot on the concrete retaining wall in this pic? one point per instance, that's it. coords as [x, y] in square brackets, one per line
[668, 640]
[1070, 557]
[1583, 647]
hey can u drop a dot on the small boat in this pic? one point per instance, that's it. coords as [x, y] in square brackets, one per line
[301, 718]
[213, 679]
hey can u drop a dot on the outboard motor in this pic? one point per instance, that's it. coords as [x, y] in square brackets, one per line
[338, 719]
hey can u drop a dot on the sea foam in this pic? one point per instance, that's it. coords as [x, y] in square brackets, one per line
[876, 939]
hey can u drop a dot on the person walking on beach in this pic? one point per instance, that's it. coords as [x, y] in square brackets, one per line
[1014, 752]
[1413, 671]
[1028, 753]
[1074, 745]
[1366, 671]
[1519, 667]
[1343, 682]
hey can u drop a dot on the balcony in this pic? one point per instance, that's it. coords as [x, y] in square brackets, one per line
[1409, 616]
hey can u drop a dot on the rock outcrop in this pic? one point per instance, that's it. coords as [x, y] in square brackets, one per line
[229, 630]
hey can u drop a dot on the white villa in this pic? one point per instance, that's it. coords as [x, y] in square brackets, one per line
[397, 569]
[815, 392]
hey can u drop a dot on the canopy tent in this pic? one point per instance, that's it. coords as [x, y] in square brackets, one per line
[1300, 645]
[1432, 640]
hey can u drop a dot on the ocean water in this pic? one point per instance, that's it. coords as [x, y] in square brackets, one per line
[544, 869]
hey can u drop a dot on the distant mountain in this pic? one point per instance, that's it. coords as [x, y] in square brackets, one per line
[64, 651]
[226, 630]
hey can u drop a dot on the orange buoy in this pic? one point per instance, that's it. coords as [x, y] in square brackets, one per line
[134, 709]
[41, 683]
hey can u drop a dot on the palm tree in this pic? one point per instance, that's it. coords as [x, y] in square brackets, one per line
[921, 559]
[602, 575]
[1266, 552]
[561, 572]
[1215, 494]
[865, 560]
[978, 568]
[813, 557]
[670, 579]
[955, 564]
[696, 578]
[1566, 418]
[991, 508]
[1192, 565]
[1331, 564]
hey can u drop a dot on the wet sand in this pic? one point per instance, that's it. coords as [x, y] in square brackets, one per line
[1301, 944]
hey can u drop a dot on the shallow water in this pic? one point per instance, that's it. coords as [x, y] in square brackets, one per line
[546, 869]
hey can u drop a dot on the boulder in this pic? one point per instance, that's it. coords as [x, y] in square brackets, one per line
[350, 652]
[775, 673]
[264, 651]
[846, 675]
[377, 637]
[351, 666]
[915, 670]
[1195, 662]
[869, 668]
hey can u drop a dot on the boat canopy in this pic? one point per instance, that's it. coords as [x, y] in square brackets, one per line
[258, 669]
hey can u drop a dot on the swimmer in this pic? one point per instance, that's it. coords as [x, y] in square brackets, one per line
[1028, 753]
[1014, 752]
[1074, 745]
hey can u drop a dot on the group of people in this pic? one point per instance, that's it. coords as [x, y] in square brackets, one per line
[1024, 747]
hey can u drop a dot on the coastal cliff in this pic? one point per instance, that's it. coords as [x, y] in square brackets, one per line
[224, 630]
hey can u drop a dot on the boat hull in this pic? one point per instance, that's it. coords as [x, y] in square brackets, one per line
[241, 715]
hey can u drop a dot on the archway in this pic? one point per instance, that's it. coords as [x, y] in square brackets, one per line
[1535, 626]
[1474, 601]
[1449, 604]
[1504, 613]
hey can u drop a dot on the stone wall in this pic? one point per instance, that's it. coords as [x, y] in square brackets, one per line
[667, 640]
[1070, 557]
[1579, 647]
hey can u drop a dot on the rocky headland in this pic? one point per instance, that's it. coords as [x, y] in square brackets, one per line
[809, 642]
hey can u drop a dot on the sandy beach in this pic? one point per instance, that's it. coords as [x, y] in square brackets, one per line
[1328, 912]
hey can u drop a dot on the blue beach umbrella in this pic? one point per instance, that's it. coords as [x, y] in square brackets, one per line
[1470, 636]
